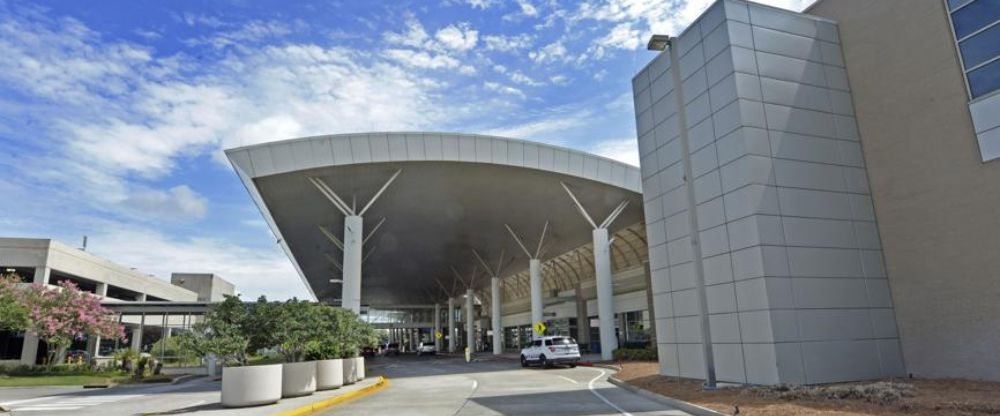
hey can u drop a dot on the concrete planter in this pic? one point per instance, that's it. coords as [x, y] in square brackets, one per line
[329, 374]
[251, 386]
[298, 379]
[350, 371]
[360, 370]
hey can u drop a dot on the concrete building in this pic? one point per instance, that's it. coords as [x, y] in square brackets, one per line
[50, 262]
[759, 132]
[929, 121]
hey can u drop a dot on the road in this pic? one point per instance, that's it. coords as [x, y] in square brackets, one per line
[450, 386]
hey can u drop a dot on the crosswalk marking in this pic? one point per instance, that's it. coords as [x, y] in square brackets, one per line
[65, 403]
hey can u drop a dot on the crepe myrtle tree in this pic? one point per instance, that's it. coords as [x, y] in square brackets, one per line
[61, 315]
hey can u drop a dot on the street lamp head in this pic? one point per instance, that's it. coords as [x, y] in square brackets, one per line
[658, 42]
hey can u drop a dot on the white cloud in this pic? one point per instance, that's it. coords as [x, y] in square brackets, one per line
[179, 202]
[547, 129]
[414, 36]
[505, 43]
[481, 4]
[254, 271]
[622, 150]
[552, 52]
[559, 79]
[249, 32]
[519, 78]
[422, 59]
[527, 8]
[504, 89]
[461, 37]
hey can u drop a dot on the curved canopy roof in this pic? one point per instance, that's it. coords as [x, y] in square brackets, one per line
[454, 195]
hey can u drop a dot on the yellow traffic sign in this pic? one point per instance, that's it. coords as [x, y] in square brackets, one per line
[539, 328]
[438, 334]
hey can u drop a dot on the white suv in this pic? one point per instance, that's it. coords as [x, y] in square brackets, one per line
[550, 350]
[426, 348]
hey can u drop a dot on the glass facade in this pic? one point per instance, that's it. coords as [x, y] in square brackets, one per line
[977, 31]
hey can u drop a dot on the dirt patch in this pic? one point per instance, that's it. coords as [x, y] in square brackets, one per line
[919, 397]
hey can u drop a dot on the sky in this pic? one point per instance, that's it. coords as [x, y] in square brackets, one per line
[114, 114]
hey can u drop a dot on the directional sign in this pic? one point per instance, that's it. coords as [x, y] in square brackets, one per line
[438, 334]
[539, 328]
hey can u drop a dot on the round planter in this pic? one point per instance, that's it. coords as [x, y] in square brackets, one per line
[251, 386]
[360, 370]
[350, 372]
[329, 374]
[298, 379]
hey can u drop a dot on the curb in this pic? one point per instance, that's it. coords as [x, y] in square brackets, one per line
[333, 401]
[669, 401]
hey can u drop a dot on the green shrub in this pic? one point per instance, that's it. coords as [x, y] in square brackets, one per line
[635, 354]
[55, 370]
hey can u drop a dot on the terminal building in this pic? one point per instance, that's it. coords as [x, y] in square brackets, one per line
[150, 308]
[815, 204]
[819, 191]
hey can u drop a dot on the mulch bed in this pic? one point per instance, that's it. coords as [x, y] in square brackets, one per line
[916, 396]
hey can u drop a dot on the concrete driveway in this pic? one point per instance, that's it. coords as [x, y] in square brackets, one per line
[450, 386]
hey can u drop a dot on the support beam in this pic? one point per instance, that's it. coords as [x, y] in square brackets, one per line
[437, 326]
[495, 315]
[353, 243]
[451, 324]
[470, 329]
[602, 273]
[582, 318]
[535, 276]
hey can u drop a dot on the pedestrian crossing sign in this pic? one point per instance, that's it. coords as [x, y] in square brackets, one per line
[539, 328]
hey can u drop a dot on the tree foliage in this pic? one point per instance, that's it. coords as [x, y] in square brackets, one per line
[223, 331]
[13, 312]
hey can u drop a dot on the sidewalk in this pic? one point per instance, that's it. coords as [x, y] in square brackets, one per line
[199, 396]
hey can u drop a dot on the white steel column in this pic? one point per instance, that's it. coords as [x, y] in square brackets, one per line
[354, 240]
[602, 272]
[470, 330]
[437, 327]
[605, 292]
[535, 278]
[451, 324]
[534, 273]
[495, 316]
[353, 237]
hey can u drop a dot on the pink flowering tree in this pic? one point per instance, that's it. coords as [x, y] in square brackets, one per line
[13, 313]
[61, 315]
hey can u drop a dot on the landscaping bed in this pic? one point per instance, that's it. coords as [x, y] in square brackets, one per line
[882, 397]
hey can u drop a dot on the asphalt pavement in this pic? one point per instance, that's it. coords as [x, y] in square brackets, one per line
[450, 386]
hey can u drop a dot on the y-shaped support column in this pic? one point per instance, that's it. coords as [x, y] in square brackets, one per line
[353, 242]
[495, 299]
[534, 273]
[602, 273]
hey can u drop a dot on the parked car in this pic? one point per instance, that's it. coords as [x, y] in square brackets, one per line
[368, 352]
[426, 348]
[551, 350]
[391, 348]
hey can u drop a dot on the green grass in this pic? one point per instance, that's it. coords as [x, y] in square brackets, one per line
[55, 380]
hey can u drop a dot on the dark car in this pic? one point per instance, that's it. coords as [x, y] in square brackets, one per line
[391, 348]
[368, 352]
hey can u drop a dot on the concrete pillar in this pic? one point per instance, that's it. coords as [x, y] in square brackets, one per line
[470, 332]
[437, 326]
[535, 275]
[137, 333]
[93, 341]
[42, 275]
[353, 239]
[451, 325]
[495, 316]
[605, 292]
[582, 318]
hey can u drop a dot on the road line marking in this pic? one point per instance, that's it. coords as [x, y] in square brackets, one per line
[568, 379]
[590, 386]
[475, 384]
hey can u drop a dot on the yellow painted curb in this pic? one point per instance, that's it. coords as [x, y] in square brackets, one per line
[333, 401]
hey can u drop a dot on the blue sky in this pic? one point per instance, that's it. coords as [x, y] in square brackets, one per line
[114, 114]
